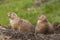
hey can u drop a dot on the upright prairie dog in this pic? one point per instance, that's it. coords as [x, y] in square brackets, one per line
[43, 26]
[20, 24]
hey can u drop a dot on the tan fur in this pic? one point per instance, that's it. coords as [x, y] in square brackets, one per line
[20, 24]
[43, 25]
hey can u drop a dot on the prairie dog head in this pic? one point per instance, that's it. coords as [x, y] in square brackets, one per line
[42, 18]
[12, 15]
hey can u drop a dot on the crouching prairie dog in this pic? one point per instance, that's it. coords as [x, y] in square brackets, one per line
[43, 26]
[20, 24]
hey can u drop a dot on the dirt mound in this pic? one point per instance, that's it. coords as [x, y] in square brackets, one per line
[8, 34]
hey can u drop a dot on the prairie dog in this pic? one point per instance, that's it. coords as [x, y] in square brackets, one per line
[20, 24]
[56, 27]
[43, 25]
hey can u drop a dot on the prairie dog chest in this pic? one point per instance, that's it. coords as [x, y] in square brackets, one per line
[41, 24]
[13, 22]
[39, 21]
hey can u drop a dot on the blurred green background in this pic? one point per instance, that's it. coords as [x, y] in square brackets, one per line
[51, 9]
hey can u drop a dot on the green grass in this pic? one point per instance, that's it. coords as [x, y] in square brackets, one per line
[50, 9]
